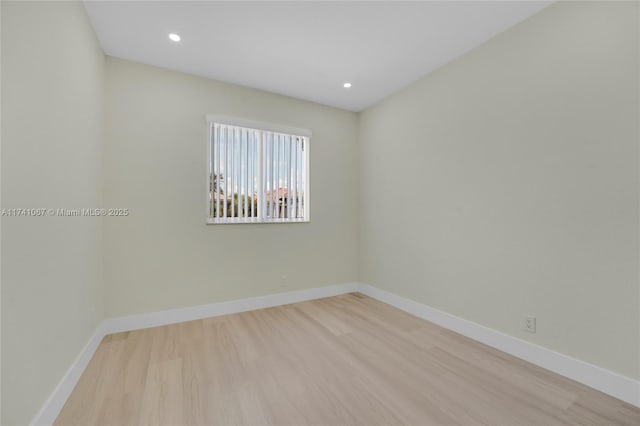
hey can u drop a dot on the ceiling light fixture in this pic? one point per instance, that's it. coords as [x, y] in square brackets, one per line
[346, 85]
[174, 37]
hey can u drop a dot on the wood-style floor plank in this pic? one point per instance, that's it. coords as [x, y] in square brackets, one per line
[344, 360]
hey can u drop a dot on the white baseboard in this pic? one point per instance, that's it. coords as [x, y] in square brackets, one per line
[53, 405]
[614, 384]
[172, 316]
[606, 381]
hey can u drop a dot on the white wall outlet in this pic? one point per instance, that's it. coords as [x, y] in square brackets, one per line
[530, 324]
[283, 281]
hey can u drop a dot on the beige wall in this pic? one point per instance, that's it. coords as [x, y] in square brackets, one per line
[52, 84]
[506, 184]
[163, 255]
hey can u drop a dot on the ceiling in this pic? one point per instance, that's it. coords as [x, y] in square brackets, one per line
[306, 50]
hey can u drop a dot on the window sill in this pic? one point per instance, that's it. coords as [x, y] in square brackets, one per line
[254, 221]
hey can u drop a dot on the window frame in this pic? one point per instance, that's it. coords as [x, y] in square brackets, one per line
[260, 126]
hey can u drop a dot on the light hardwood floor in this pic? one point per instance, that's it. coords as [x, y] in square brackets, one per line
[345, 360]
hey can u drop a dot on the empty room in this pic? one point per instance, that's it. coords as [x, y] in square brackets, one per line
[320, 213]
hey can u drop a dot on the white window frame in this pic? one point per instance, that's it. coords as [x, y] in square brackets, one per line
[260, 126]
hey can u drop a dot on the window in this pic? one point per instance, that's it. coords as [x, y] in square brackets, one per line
[256, 172]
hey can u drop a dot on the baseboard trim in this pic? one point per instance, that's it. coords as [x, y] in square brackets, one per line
[172, 316]
[613, 384]
[616, 385]
[53, 405]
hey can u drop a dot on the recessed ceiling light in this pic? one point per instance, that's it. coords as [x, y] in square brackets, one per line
[346, 85]
[174, 37]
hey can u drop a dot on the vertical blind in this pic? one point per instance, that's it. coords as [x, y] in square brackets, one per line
[257, 175]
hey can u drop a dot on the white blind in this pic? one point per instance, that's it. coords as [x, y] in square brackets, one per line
[257, 175]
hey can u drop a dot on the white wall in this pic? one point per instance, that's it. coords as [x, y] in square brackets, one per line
[52, 85]
[506, 184]
[163, 255]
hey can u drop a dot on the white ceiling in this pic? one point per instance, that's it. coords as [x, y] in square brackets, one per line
[306, 50]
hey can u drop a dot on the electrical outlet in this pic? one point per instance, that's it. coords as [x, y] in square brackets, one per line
[283, 281]
[530, 324]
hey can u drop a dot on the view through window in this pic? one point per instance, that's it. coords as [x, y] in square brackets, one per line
[256, 175]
